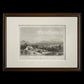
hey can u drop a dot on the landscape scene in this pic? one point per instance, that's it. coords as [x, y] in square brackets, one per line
[42, 41]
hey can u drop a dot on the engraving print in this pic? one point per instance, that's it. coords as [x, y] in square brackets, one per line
[42, 40]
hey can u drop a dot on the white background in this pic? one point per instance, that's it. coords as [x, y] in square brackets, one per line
[13, 55]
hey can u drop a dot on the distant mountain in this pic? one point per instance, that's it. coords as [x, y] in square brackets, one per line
[41, 42]
[47, 43]
[51, 42]
[24, 42]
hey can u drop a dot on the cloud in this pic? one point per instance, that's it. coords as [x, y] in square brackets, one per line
[49, 32]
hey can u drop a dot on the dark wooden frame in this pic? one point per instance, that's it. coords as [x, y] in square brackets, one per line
[42, 15]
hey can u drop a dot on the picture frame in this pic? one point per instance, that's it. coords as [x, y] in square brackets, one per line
[72, 21]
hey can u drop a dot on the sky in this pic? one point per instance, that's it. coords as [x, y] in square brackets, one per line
[37, 34]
